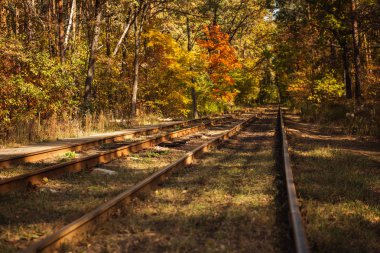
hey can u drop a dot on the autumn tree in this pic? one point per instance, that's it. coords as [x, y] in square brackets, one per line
[222, 60]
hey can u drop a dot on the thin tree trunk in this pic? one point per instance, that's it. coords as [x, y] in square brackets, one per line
[357, 63]
[138, 30]
[3, 18]
[333, 57]
[108, 36]
[368, 58]
[347, 75]
[194, 106]
[75, 18]
[61, 32]
[215, 18]
[55, 29]
[51, 43]
[16, 22]
[27, 30]
[124, 62]
[72, 13]
[136, 69]
[92, 57]
[126, 30]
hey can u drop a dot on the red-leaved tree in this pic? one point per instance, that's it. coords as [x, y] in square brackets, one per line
[222, 60]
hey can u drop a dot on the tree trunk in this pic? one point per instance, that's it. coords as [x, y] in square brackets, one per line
[136, 69]
[50, 39]
[92, 57]
[193, 92]
[72, 13]
[367, 52]
[215, 18]
[3, 18]
[347, 75]
[27, 30]
[61, 32]
[108, 36]
[16, 22]
[128, 26]
[124, 59]
[357, 64]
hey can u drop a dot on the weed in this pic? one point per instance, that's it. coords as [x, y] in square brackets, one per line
[70, 155]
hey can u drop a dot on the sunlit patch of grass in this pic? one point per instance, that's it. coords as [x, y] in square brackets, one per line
[317, 153]
[340, 197]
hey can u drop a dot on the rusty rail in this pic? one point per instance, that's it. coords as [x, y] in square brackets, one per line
[74, 231]
[298, 230]
[39, 155]
[36, 177]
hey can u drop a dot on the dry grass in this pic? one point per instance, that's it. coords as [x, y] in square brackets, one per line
[64, 126]
[338, 183]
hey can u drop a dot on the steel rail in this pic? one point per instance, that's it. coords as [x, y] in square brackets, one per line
[77, 229]
[39, 155]
[298, 230]
[36, 177]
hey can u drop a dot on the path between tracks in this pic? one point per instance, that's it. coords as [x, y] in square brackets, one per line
[225, 203]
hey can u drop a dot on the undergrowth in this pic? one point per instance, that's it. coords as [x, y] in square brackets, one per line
[351, 118]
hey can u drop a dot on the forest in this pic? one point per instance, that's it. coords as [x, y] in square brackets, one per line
[73, 66]
[190, 126]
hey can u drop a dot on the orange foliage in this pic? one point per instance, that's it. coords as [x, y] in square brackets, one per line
[222, 60]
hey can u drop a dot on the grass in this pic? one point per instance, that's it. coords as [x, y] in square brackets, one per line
[340, 194]
[68, 156]
[226, 203]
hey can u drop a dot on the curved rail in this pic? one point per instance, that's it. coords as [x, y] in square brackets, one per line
[299, 234]
[74, 231]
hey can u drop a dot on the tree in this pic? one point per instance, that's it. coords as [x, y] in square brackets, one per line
[222, 60]
[92, 55]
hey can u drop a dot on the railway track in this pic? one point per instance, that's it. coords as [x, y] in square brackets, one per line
[32, 157]
[295, 218]
[39, 175]
[34, 197]
[76, 230]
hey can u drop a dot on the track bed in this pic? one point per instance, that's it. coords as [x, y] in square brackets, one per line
[26, 216]
[69, 156]
[225, 203]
